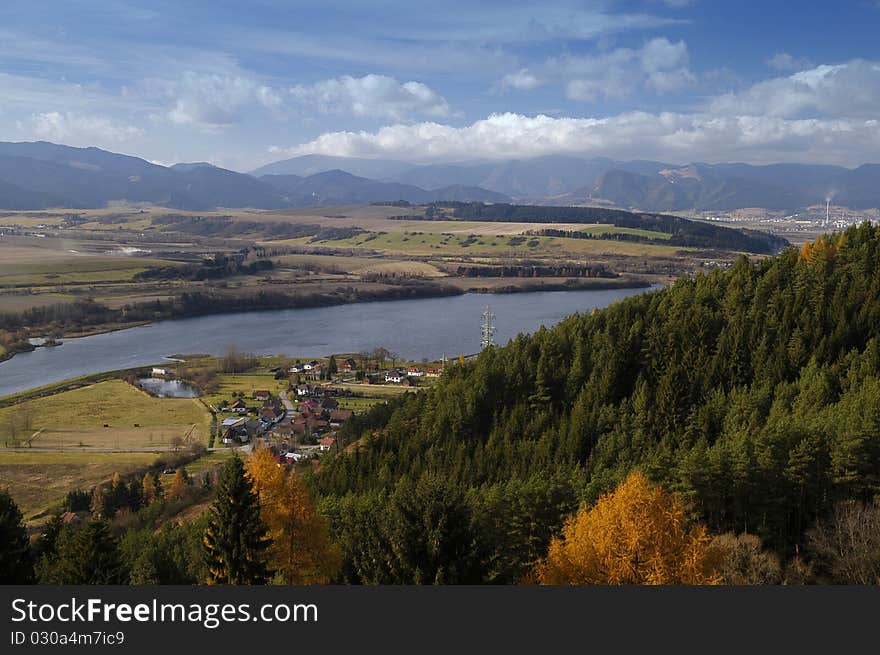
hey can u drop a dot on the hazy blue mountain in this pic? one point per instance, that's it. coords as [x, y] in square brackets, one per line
[342, 188]
[377, 169]
[41, 173]
[649, 185]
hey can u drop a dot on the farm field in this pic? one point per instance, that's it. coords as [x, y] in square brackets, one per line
[76, 419]
[39, 481]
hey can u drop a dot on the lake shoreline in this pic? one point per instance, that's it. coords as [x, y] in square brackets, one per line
[420, 291]
[431, 328]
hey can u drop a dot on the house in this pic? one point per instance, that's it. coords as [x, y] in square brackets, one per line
[262, 394]
[330, 404]
[314, 373]
[415, 372]
[304, 390]
[296, 368]
[340, 416]
[326, 443]
[310, 366]
[232, 422]
[159, 372]
[293, 457]
[271, 414]
[349, 365]
[238, 406]
[434, 373]
[395, 376]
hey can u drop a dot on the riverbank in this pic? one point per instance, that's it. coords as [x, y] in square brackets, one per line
[203, 303]
[216, 302]
[415, 328]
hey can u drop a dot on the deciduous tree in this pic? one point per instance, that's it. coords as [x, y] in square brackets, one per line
[639, 534]
[301, 551]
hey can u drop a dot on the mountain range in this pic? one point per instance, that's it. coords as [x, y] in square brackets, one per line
[645, 185]
[39, 175]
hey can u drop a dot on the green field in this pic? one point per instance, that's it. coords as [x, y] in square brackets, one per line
[76, 419]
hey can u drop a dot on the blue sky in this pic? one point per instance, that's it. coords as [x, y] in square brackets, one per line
[243, 83]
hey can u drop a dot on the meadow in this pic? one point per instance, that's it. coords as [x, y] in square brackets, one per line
[107, 415]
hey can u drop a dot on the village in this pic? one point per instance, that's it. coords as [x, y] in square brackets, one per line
[300, 423]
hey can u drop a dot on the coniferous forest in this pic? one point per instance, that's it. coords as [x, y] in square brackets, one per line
[752, 394]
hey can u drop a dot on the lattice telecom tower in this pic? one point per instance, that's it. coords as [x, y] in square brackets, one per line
[488, 330]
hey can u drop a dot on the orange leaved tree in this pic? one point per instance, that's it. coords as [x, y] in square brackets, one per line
[638, 534]
[301, 551]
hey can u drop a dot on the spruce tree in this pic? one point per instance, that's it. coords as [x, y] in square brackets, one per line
[16, 566]
[235, 539]
[88, 555]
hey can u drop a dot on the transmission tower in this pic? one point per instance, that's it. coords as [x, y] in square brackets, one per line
[488, 330]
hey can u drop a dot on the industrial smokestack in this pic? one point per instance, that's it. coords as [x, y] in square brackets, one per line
[827, 211]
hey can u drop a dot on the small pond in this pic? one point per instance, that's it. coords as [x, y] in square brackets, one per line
[168, 388]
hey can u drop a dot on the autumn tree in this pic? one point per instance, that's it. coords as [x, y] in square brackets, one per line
[151, 488]
[846, 547]
[301, 551]
[178, 484]
[638, 534]
[743, 561]
[235, 538]
[16, 565]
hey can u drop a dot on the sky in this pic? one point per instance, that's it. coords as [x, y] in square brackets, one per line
[241, 84]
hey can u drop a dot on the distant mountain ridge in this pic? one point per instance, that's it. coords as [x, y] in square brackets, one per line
[41, 175]
[645, 185]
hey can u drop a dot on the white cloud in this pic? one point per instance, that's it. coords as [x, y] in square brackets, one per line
[665, 136]
[76, 129]
[376, 96]
[210, 101]
[843, 90]
[782, 61]
[660, 66]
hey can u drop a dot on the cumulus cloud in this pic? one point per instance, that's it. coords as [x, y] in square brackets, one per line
[76, 128]
[660, 66]
[211, 101]
[842, 90]
[371, 96]
[666, 136]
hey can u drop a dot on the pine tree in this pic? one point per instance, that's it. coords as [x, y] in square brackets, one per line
[88, 555]
[16, 565]
[235, 540]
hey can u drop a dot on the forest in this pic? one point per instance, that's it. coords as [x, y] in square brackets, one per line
[752, 394]
[685, 232]
[725, 429]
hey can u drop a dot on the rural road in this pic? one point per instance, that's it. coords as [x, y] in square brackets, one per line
[286, 401]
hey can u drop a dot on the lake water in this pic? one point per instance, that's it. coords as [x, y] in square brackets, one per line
[426, 327]
[168, 388]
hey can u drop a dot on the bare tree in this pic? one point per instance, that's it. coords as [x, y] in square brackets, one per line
[847, 546]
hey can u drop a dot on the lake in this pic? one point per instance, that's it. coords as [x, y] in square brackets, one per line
[415, 329]
[168, 388]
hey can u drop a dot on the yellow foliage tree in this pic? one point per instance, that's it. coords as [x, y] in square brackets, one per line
[638, 534]
[150, 487]
[178, 485]
[807, 252]
[301, 551]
